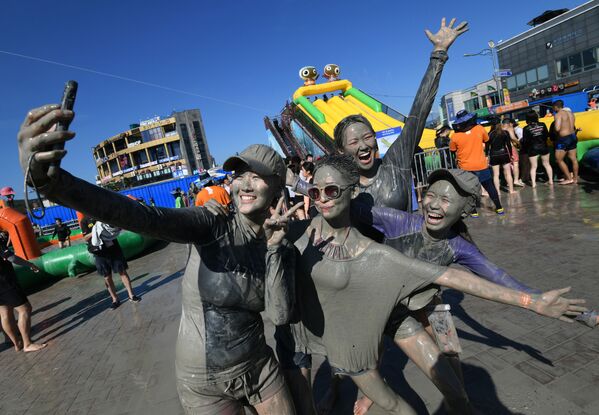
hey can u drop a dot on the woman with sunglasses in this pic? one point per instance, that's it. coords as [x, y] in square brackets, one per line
[340, 271]
[239, 266]
[388, 181]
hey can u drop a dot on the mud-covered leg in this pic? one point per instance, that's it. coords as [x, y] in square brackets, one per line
[280, 403]
[374, 387]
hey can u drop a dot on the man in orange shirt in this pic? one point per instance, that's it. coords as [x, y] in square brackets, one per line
[211, 191]
[468, 144]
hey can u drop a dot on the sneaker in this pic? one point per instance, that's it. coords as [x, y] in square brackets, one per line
[135, 299]
[500, 211]
[474, 215]
[115, 305]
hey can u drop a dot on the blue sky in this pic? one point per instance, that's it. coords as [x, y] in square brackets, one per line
[244, 52]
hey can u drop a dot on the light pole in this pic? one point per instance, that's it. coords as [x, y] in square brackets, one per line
[490, 51]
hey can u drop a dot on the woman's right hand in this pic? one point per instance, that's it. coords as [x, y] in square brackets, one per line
[37, 137]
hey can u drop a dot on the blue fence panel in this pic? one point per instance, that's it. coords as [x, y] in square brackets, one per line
[64, 213]
[161, 192]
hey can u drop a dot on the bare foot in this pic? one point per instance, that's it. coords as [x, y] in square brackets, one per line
[34, 347]
[19, 346]
[362, 405]
[566, 182]
[550, 183]
[533, 185]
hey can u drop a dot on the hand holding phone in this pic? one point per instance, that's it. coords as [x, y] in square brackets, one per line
[66, 103]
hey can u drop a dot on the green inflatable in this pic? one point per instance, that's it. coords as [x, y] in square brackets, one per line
[76, 259]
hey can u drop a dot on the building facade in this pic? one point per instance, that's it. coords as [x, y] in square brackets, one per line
[154, 150]
[557, 56]
[477, 98]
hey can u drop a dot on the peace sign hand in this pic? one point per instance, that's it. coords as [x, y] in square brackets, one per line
[275, 227]
[446, 35]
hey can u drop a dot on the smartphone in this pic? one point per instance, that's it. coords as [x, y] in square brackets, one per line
[66, 103]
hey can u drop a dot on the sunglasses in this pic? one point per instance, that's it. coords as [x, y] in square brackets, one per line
[331, 191]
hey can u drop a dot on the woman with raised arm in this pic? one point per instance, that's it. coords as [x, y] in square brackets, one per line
[388, 181]
[239, 266]
[340, 271]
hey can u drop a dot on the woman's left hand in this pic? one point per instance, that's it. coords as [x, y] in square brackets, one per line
[446, 35]
[275, 227]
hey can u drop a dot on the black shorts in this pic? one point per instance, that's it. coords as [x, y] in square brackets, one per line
[11, 293]
[566, 143]
[108, 265]
[539, 151]
[500, 160]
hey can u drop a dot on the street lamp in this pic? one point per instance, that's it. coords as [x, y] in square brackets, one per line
[490, 51]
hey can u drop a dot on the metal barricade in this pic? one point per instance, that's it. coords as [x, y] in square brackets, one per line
[431, 159]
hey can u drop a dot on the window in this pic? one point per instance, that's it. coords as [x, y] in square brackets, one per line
[140, 157]
[543, 73]
[582, 61]
[157, 153]
[562, 67]
[114, 166]
[174, 149]
[184, 132]
[521, 80]
[120, 144]
[531, 76]
[108, 149]
[590, 58]
[494, 97]
[152, 134]
[511, 83]
[472, 105]
[575, 63]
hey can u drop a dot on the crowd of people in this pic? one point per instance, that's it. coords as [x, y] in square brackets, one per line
[309, 243]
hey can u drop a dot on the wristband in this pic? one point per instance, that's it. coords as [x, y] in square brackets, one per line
[525, 300]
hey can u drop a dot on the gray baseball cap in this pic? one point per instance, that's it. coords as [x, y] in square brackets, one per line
[260, 159]
[465, 182]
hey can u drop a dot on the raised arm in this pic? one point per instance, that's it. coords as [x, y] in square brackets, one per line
[549, 304]
[36, 140]
[468, 256]
[401, 151]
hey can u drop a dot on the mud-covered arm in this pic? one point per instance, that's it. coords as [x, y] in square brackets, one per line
[279, 295]
[549, 304]
[176, 225]
[401, 151]
[17, 260]
[390, 222]
[468, 256]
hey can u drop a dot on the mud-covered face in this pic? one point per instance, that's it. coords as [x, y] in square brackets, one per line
[359, 141]
[252, 193]
[442, 206]
[332, 209]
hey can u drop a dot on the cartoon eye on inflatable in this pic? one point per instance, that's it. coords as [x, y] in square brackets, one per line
[337, 71]
[305, 72]
[327, 68]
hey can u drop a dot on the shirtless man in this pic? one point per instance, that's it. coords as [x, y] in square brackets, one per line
[566, 141]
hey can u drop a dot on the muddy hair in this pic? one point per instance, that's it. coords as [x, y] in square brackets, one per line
[340, 128]
[343, 164]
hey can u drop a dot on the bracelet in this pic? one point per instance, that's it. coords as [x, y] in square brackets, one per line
[525, 300]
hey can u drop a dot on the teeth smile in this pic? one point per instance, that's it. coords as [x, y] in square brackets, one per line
[246, 197]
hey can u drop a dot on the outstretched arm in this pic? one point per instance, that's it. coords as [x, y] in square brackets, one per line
[549, 304]
[36, 140]
[468, 256]
[17, 260]
[401, 151]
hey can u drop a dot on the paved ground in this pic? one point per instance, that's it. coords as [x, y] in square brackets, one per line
[115, 362]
